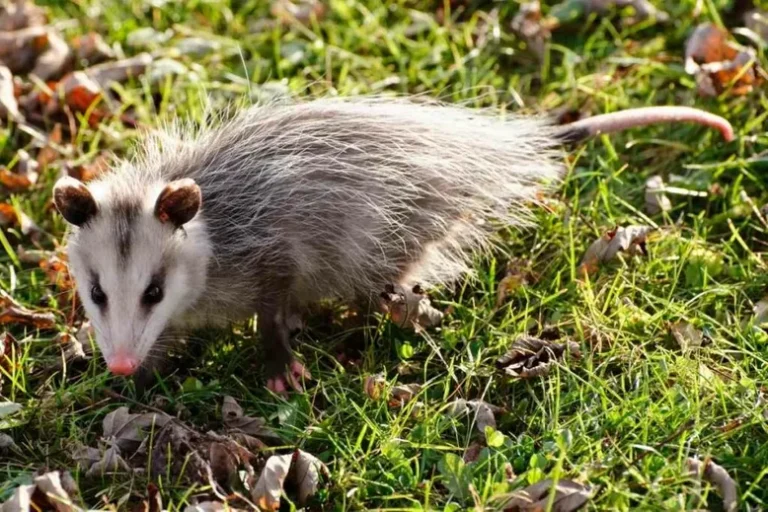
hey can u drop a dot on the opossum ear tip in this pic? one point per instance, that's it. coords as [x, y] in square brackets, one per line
[178, 202]
[74, 201]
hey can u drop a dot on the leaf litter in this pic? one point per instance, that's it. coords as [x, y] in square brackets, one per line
[530, 356]
[410, 308]
[140, 442]
[630, 240]
[568, 496]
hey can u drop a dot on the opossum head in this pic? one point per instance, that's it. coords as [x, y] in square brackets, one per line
[138, 254]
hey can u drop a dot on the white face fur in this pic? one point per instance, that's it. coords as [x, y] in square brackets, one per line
[138, 258]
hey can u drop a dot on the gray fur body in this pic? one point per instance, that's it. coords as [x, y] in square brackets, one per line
[324, 199]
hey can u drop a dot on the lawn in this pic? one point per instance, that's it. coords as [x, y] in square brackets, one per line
[671, 360]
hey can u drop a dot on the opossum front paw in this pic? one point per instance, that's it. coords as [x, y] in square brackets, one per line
[291, 378]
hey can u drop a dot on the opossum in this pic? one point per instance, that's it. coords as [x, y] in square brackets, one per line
[285, 205]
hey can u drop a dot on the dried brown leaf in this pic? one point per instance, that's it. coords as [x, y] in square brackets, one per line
[655, 199]
[87, 171]
[110, 462]
[719, 477]
[50, 491]
[719, 63]
[119, 71]
[19, 49]
[403, 394]
[630, 240]
[269, 487]
[303, 11]
[92, 49]
[533, 357]
[13, 313]
[306, 474]
[410, 308]
[223, 463]
[484, 413]
[234, 418]
[56, 60]
[374, 385]
[127, 430]
[57, 271]
[18, 14]
[532, 28]
[569, 496]
[9, 107]
[686, 335]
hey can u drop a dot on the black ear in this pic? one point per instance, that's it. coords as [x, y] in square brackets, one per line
[179, 202]
[74, 201]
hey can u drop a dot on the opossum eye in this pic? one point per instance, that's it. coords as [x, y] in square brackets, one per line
[97, 295]
[152, 295]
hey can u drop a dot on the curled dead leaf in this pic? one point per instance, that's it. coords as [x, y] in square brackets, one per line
[301, 469]
[303, 11]
[719, 477]
[54, 491]
[409, 308]
[532, 28]
[687, 336]
[110, 462]
[91, 49]
[9, 107]
[126, 430]
[655, 199]
[19, 49]
[13, 313]
[533, 357]
[234, 418]
[718, 63]
[54, 61]
[403, 394]
[484, 413]
[630, 240]
[568, 496]
[374, 385]
[18, 14]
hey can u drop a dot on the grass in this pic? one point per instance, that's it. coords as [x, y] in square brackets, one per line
[624, 417]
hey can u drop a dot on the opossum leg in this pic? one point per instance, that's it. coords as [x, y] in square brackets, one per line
[282, 369]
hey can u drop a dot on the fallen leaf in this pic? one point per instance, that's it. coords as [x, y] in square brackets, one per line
[18, 14]
[655, 199]
[127, 430]
[303, 11]
[374, 385]
[92, 49]
[223, 463]
[269, 487]
[472, 453]
[48, 153]
[719, 477]
[56, 60]
[211, 506]
[85, 457]
[148, 37]
[630, 240]
[306, 474]
[568, 496]
[483, 411]
[6, 443]
[718, 63]
[761, 312]
[110, 462]
[8, 408]
[119, 71]
[9, 107]
[50, 491]
[235, 419]
[57, 272]
[19, 49]
[409, 308]
[518, 275]
[87, 171]
[403, 394]
[532, 28]
[13, 313]
[533, 357]
[687, 336]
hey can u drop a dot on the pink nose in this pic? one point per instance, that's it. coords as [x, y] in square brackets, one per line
[122, 364]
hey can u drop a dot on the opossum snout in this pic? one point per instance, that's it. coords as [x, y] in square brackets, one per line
[123, 364]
